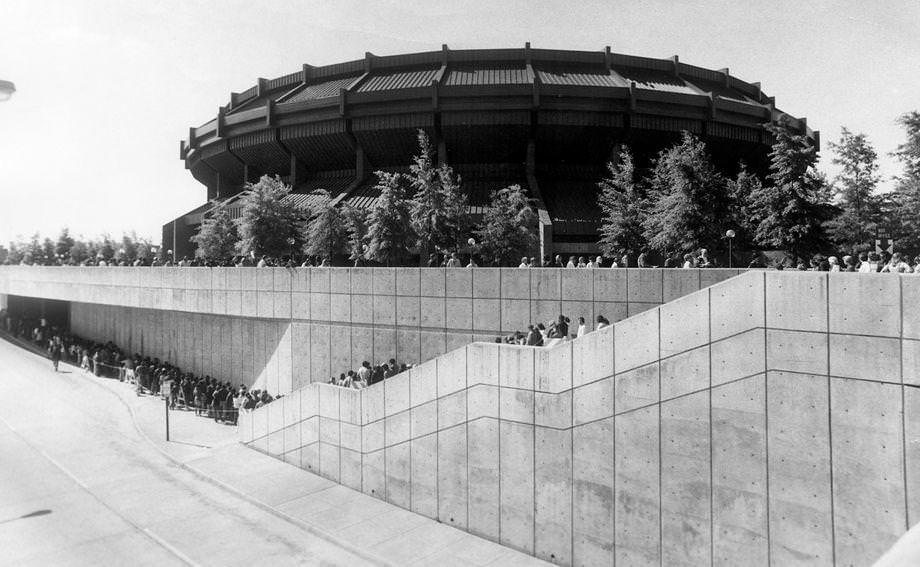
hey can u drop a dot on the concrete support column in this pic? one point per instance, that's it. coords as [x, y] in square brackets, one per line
[543, 218]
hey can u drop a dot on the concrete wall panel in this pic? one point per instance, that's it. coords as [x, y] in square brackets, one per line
[384, 310]
[398, 475]
[339, 280]
[685, 373]
[362, 281]
[868, 489]
[883, 319]
[341, 306]
[433, 282]
[910, 362]
[553, 368]
[553, 494]
[868, 358]
[738, 356]
[373, 479]
[739, 473]
[517, 485]
[487, 283]
[408, 281]
[640, 333]
[592, 493]
[644, 285]
[458, 313]
[433, 344]
[433, 311]
[459, 283]
[351, 468]
[737, 305]
[408, 347]
[384, 345]
[515, 283]
[483, 476]
[797, 300]
[425, 476]
[545, 284]
[516, 367]
[487, 315]
[799, 469]
[684, 324]
[685, 480]
[912, 455]
[408, 310]
[636, 488]
[578, 285]
[637, 388]
[515, 314]
[452, 476]
[797, 352]
[610, 285]
[592, 357]
[384, 281]
[340, 350]
[482, 363]
[678, 283]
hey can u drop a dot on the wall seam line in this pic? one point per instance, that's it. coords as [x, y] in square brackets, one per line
[766, 426]
[830, 413]
[903, 410]
[711, 465]
[660, 460]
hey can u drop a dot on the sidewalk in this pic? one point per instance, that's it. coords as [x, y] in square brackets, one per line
[376, 530]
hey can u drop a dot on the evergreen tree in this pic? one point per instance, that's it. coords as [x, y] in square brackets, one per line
[508, 229]
[690, 199]
[903, 210]
[34, 253]
[854, 228]
[389, 230]
[790, 210]
[64, 243]
[622, 202]
[440, 217]
[217, 237]
[325, 233]
[267, 219]
[106, 247]
[79, 252]
[356, 227]
[740, 189]
[49, 256]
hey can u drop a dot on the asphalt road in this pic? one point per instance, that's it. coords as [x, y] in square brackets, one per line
[80, 486]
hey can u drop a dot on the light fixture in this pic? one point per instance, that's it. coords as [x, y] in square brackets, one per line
[7, 88]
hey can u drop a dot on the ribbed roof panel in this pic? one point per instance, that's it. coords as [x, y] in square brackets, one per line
[582, 77]
[399, 80]
[655, 80]
[326, 89]
[468, 75]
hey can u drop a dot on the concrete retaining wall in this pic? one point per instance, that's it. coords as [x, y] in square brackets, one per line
[770, 419]
[283, 328]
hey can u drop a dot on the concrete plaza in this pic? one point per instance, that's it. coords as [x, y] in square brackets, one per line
[88, 479]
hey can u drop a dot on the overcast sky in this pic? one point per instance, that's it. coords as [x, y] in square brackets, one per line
[106, 89]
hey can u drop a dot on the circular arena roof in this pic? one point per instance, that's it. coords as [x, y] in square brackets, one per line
[546, 119]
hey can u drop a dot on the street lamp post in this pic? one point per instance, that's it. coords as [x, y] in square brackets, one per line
[729, 234]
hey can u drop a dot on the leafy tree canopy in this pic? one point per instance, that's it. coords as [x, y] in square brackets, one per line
[508, 229]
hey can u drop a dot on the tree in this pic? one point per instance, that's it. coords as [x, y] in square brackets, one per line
[48, 254]
[64, 243]
[508, 229]
[325, 233]
[690, 201]
[440, 217]
[904, 202]
[389, 230]
[854, 188]
[356, 227]
[790, 210]
[740, 189]
[79, 252]
[217, 237]
[267, 219]
[623, 203]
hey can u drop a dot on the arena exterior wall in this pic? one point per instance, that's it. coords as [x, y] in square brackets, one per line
[283, 328]
[773, 418]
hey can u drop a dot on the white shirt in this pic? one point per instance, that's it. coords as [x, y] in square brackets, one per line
[581, 331]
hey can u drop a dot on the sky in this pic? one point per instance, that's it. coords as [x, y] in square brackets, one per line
[107, 89]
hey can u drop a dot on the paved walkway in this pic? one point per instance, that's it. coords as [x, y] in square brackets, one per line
[119, 493]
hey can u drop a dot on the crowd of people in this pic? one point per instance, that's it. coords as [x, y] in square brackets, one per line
[149, 376]
[368, 375]
[864, 262]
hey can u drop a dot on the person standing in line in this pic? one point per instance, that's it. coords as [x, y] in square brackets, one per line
[524, 263]
[582, 328]
[56, 348]
[454, 262]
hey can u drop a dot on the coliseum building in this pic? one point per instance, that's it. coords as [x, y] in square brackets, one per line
[548, 120]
